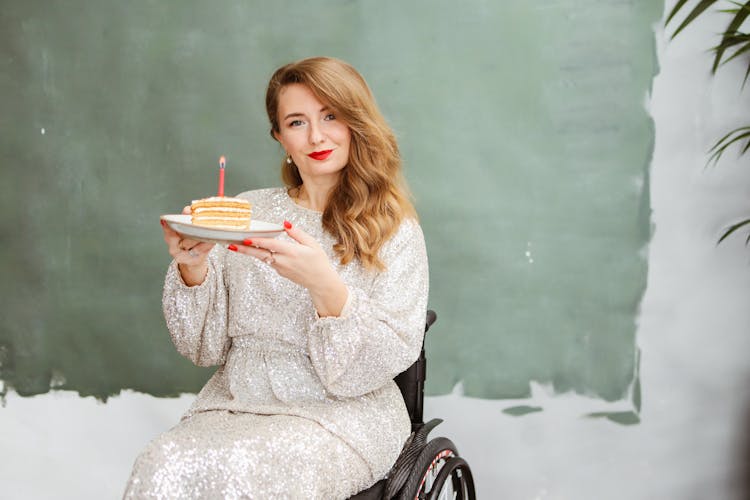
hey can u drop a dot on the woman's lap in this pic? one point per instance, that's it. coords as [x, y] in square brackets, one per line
[219, 454]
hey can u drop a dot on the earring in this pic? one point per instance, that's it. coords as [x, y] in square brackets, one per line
[289, 160]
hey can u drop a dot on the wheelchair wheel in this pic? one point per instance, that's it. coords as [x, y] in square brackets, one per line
[439, 474]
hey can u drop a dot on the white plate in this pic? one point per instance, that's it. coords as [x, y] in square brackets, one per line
[258, 229]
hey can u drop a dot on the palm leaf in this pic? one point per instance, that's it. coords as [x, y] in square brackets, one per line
[733, 11]
[739, 18]
[698, 10]
[722, 144]
[732, 229]
[745, 48]
[738, 4]
[746, 39]
[676, 8]
[742, 39]
[730, 133]
[730, 39]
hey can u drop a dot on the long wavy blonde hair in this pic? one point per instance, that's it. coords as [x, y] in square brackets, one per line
[371, 198]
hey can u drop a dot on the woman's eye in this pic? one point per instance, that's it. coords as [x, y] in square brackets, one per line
[295, 123]
[329, 117]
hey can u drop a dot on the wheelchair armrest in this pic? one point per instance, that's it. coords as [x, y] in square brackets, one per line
[411, 380]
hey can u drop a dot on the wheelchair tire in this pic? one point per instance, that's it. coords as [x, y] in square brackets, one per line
[426, 480]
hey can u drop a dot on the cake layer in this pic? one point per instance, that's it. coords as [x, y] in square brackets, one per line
[223, 224]
[221, 201]
[209, 214]
[221, 212]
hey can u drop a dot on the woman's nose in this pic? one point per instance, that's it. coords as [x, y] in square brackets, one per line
[316, 135]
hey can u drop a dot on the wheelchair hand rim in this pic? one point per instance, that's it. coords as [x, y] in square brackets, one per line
[441, 457]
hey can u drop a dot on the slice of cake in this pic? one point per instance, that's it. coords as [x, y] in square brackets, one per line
[221, 212]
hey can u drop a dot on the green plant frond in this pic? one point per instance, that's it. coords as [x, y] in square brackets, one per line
[730, 39]
[719, 150]
[740, 5]
[732, 229]
[676, 8]
[716, 156]
[739, 16]
[697, 11]
[729, 134]
[747, 146]
[738, 138]
[723, 143]
[732, 28]
[738, 37]
[730, 42]
[740, 51]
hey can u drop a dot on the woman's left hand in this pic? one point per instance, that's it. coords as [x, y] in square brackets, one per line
[304, 262]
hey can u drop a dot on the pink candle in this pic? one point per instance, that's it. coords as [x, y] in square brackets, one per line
[222, 165]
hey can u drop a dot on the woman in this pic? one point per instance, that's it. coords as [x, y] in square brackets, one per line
[308, 329]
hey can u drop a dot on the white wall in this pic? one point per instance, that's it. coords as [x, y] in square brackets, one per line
[694, 333]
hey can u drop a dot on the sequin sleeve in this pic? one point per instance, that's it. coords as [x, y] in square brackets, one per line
[197, 316]
[381, 333]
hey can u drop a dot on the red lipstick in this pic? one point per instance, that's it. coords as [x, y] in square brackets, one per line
[320, 155]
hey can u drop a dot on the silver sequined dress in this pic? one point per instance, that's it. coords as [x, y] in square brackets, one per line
[300, 406]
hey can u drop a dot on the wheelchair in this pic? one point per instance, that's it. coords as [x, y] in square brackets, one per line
[432, 469]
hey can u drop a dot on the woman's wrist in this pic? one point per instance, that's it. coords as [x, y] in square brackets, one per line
[330, 296]
[193, 275]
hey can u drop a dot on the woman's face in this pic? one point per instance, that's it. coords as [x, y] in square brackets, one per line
[310, 132]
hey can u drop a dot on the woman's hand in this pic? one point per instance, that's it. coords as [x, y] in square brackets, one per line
[303, 261]
[190, 255]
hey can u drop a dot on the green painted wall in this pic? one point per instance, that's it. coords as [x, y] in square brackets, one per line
[524, 135]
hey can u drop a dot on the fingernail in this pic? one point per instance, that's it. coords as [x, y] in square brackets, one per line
[162, 223]
[287, 224]
[247, 242]
[232, 248]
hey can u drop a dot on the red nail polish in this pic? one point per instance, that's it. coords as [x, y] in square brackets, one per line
[247, 242]
[232, 248]
[163, 223]
[287, 224]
